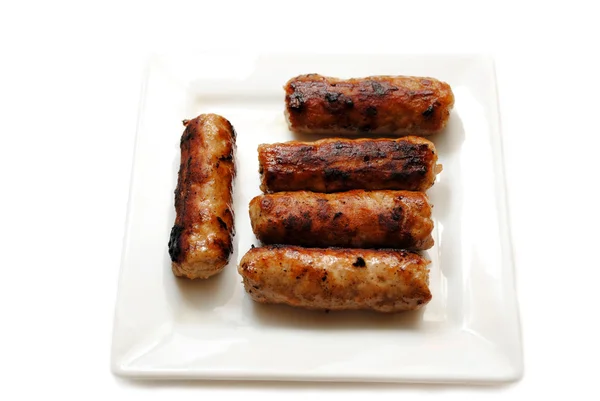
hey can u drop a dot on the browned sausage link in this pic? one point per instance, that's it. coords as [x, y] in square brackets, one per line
[336, 278]
[355, 219]
[201, 239]
[396, 105]
[333, 165]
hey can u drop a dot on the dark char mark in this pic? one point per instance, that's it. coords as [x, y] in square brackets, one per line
[396, 213]
[429, 112]
[391, 222]
[360, 262]
[333, 174]
[233, 132]
[381, 90]
[296, 101]
[175, 250]
[377, 88]
[332, 96]
[222, 223]
[298, 223]
[188, 133]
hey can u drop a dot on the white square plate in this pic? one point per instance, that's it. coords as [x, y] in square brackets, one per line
[174, 328]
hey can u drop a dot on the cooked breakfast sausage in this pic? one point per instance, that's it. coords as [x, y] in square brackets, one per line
[201, 239]
[355, 219]
[336, 278]
[333, 165]
[396, 105]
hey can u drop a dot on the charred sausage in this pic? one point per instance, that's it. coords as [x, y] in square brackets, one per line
[201, 238]
[336, 278]
[355, 219]
[397, 105]
[333, 165]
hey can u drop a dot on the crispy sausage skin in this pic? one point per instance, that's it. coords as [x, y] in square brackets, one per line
[334, 165]
[397, 105]
[201, 238]
[354, 219]
[336, 278]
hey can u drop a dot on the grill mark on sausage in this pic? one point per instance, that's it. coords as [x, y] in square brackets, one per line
[429, 112]
[222, 224]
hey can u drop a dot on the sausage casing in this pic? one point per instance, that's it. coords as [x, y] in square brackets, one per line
[201, 238]
[336, 278]
[337, 164]
[354, 219]
[398, 105]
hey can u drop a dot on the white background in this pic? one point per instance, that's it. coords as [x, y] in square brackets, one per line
[70, 79]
